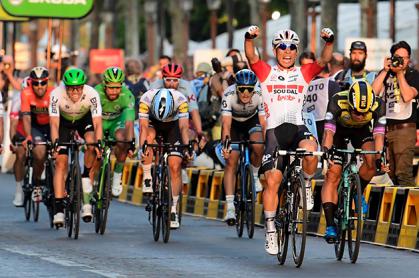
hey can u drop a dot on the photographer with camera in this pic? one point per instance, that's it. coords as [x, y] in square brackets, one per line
[399, 84]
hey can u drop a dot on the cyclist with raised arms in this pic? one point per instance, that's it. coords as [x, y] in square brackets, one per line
[283, 89]
[74, 106]
[351, 114]
[118, 117]
[164, 112]
[243, 119]
[34, 107]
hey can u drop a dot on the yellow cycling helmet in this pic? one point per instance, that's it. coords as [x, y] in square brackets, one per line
[361, 96]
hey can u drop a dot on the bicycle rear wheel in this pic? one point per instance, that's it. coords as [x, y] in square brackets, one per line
[77, 201]
[354, 230]
[179, 208]
[341, 234]
[98, 202]
[155, 212]
[239, 205]
[166, 204]
[250, 203]
[106, 198]
[298, 221]
[27, 195]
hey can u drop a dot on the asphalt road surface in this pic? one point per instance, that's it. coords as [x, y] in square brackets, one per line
[201, 248]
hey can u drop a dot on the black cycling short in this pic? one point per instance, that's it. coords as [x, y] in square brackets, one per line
[242, 130]
[357, 137]
[284, 137]
[40, 133]
[83, 125]
[169, 131]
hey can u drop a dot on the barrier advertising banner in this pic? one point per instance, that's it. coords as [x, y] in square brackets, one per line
[101, 59]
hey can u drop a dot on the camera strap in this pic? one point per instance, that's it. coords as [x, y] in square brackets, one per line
[396, 89]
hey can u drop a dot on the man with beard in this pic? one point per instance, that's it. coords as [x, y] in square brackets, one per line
[356, 71]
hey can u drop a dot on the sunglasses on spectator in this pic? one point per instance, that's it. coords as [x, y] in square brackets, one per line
[169, 79]
[284, 46]
[243, 89]
[39, 83]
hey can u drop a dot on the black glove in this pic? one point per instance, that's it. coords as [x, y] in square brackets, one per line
[132, 146]
[55, 145]
[100, 145]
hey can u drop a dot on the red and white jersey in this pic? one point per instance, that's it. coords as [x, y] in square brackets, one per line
[283, 91]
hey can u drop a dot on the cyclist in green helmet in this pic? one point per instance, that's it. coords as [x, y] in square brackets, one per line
[118, 116]
[74, 106]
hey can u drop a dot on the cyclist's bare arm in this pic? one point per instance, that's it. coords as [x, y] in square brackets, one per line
[196, 120]
[27, 125]
[379, 142]
[249, 46]
[184, 130]
[13, 126]
[54, 123]
[262, 121]
[129, 127]
[143, 130]
[97, 124]
[328, 138]
[226, 127]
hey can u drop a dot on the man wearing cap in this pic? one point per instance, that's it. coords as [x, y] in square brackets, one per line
[357, 59]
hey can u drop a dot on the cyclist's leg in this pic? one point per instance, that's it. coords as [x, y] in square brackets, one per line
[147, 162]
[329, 192]
[255, 134]
[229, 185]
[273, 177]
[308, 142]
[85, 129]
[364, 139]
[39, 153]
[19, 168]
[61, 169]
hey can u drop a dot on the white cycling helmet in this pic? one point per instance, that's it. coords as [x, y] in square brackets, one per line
[285, 36]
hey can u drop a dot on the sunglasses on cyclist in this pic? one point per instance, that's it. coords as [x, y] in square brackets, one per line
[169, 79]
[75, 88]
[243, 89]
[39, 83]
[284, 46]
[359, 113]
[113, 87]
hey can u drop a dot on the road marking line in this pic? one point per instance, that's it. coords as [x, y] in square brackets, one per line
[62, 262]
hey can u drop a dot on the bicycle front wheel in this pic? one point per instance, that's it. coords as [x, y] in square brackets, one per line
[106, 198]
[250, 202]
[156, 215]
[298, 221]
[166, 202]
[49, 196]
[281, 223]
[355, 218]
[27, 195]
[339, 215]
[35, 209]
[239, 205]
[77, 199]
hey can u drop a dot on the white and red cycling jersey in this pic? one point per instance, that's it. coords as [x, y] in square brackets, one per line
[283, 91]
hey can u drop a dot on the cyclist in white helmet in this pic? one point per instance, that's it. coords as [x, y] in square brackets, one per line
[283, 88]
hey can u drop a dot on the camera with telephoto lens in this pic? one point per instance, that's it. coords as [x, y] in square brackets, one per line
[396, 61]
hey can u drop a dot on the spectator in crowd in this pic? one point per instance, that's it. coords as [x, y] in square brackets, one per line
[399, 84]
[137, 84]
[356, 71]
[6, 77]
[336, 65]
[164, 60]
[208, 104]
[307, 57]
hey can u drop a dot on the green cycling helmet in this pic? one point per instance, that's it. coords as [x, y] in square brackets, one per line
[113, 75]
[74, 77]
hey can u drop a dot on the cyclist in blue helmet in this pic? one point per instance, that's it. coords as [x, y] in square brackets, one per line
[164, 112]
[243, 118]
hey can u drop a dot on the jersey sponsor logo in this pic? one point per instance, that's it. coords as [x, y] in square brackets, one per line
[281, 78]
[183, 108]
[224, 103]
[285, 89]
[311, 108]
[286, 98]
[54, 101]
[229, 93]
[144, 108]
